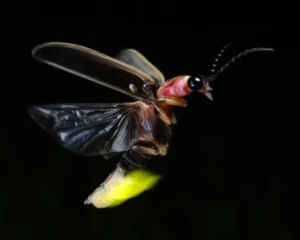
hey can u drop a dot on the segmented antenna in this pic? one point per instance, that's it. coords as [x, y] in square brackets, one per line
[212, 77]
[219, 56]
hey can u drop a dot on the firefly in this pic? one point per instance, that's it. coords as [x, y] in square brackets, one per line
[136, 130]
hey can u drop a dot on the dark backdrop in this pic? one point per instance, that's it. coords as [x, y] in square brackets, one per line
[230, 172]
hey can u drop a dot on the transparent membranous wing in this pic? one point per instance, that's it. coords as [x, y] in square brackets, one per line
[136, 59]
[90, 129]
[97, 67]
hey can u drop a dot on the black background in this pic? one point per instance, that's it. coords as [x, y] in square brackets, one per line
[230, 172]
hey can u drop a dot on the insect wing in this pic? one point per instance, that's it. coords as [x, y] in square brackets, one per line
[90, 129]
[95, 66]
[136, 59]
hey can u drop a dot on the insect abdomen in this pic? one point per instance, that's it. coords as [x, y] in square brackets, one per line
[128, 180]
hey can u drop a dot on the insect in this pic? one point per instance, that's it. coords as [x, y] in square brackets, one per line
[139, 130]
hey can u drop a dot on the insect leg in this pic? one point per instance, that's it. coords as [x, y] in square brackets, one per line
[139, 154]
[173, 101]
[145, 150]
[162, 114]
[173, 118]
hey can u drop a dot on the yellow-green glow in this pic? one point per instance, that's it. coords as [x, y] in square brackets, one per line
[133, 184]
[120, 189]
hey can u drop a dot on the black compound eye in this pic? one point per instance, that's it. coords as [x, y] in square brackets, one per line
[195, 82]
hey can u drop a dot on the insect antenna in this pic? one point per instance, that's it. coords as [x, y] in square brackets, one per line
[219, 56]
[212, 77]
